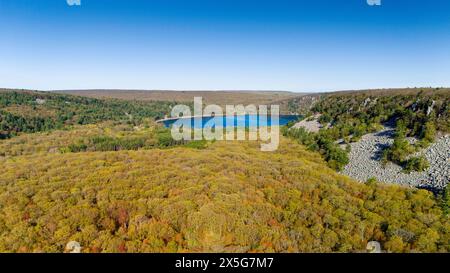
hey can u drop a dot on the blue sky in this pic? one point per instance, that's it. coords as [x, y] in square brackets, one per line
[315, 45]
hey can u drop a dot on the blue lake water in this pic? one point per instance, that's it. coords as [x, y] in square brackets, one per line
[247, 121]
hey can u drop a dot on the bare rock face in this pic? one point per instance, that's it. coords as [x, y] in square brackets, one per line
[73, 247]
[365, 162]
[368, 100]
[430, 108]
[373, 247]
[40, 101]
[309, 125]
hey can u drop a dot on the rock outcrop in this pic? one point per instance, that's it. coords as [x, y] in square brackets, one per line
[365, 162]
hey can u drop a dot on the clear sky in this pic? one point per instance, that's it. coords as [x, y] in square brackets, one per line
[314, 45]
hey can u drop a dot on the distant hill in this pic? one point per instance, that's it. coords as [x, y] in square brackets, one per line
[415, 106]
[222, 97]
[290, 102]
[426, 91]
[23, 111]
[307, 100]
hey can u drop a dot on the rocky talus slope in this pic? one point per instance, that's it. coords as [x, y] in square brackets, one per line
[365, 162]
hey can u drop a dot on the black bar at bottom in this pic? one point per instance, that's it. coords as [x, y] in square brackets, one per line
[221, 262]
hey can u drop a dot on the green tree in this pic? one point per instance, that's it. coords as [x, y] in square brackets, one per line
[417, 164]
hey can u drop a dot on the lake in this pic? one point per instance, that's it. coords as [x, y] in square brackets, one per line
[247, 121]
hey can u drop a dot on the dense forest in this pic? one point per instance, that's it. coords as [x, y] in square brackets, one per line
[29, 112]
[354, 114]
[227, 197]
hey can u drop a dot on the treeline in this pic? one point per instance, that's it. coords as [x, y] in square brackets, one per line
[321, 142]
[355, 114]
[68, 110]
[158, 138]
[11, 125]
[105, 136]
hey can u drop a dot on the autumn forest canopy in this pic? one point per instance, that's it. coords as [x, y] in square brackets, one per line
[101, 172]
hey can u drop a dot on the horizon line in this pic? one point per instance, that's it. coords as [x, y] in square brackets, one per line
[220, 90]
